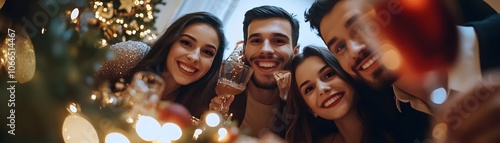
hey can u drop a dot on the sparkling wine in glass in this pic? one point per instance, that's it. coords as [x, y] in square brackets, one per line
[233, 77]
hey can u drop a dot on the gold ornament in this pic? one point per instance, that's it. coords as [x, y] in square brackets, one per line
[127, 5]
[18, 43]
[105, 12]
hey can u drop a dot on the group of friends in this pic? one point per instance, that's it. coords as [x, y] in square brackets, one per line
[342, 93]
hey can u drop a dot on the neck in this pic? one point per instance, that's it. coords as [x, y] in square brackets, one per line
[421, 86]
[263, 96]
[350, 127]
[170, 87]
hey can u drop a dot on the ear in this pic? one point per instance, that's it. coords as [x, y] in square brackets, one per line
[296, 50]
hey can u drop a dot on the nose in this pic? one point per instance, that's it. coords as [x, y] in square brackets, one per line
[266, 48]
[194, 55]
[323, 88]
[355, 48]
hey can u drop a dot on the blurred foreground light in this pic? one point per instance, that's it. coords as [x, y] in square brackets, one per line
[77, 129]
[73, 108]
[115, 137]
[222, 134]
[438, 96]
[74, 14]
[147, 128]
[212, 119]
[197, 133]
[391, 59]
[172, 131]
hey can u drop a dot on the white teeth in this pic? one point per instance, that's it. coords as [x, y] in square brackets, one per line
[267, 64]
[329, 102]
[368, 64]
[186, 68]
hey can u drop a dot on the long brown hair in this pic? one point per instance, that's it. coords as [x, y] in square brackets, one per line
[195, 96]
[306, 128]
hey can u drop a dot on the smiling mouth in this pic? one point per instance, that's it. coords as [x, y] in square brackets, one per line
[267, 65]
[332, 100]
[366, 63]
[187, 69]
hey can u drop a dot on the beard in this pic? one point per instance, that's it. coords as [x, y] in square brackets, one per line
[267, 82]
[380, 79]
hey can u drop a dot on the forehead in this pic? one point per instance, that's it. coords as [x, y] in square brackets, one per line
[309, 68]
[333, 23]
[270, 26]
[203, 33]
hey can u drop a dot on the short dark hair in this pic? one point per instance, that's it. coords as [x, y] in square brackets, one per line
[266, 11]
[317, 11]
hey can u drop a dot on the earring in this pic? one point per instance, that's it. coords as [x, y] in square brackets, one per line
[315, 115]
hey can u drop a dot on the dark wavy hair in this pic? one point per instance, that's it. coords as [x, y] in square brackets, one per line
[317, 11]
[265, 12]
[306, 128]
[195, 96]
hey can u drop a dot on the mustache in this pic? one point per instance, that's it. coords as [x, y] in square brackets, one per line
[267, 56]
[361, 56]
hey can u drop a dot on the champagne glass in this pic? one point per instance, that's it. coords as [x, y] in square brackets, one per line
[233, 77]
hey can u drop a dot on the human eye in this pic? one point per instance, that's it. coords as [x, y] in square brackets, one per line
[209, 52]
[280, 41]
[185, 42]
[340, 46]
[255, 41]
[329, 74]
[308, 89]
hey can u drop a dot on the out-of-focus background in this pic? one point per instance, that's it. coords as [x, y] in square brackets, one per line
[58, 53]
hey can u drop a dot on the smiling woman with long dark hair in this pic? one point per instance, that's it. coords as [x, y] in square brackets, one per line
[187, 56]
[330, 106]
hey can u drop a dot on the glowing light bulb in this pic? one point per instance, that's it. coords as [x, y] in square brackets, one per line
[222, 133]
[197, 133]
[77, 129]
[147, 128]
[115, 137]
[212, 119]
[73, 108]
[438, 96]
[74, 13]
[172, 131]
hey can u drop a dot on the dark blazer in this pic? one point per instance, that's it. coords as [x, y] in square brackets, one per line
[488, 32]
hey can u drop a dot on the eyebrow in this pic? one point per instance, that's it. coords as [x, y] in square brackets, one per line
[320, 71]
[323, 69]
[331, 41]
[351, 20]
[190, 37]
[274, 34]
[194, 39]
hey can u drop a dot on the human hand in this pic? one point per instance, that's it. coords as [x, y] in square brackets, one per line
[221, 103]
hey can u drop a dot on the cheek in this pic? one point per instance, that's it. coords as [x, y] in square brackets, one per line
[207, 64]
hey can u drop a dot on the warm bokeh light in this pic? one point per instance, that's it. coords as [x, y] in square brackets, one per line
[222, 134]
[212, 119]
[439, 132]
[391, 59]
[171, 131]
[197, 133]
[116, 138]
[73, 108]
[75, 13]
[77, 129]
[438, 96]
[147, 128]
